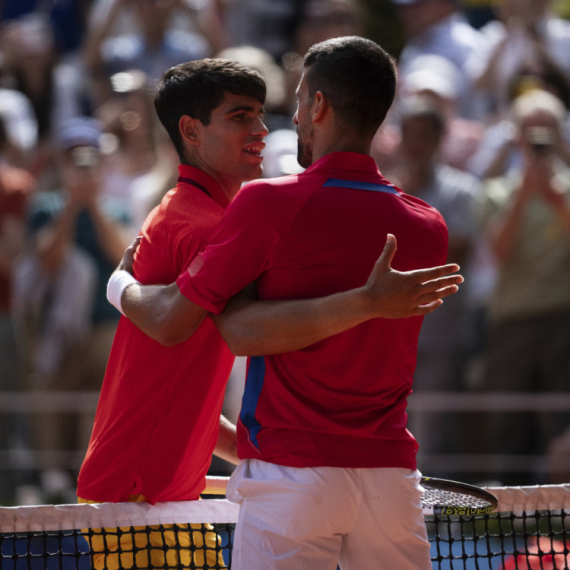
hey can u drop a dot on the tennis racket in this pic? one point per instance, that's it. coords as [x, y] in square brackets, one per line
[443, 497]
[439, 496]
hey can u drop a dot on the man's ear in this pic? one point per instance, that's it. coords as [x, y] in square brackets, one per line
[188, 129]
[319, 107]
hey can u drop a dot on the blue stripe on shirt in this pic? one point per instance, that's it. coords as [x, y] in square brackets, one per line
[361, 185]
[253, 386]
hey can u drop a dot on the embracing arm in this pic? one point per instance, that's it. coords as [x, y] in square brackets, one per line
[253, 328]
[160, 311]
[226, 446]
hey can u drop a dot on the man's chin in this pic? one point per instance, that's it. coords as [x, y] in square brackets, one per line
[304, 161]
[254, 173]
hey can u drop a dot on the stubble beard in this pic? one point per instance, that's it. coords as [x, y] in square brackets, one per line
[304, 147]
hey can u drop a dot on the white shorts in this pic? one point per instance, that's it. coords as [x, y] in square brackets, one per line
[315, 518]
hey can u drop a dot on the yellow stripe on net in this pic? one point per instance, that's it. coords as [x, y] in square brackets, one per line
[155, 546]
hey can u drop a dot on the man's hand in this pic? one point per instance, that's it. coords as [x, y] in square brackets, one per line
[392, 294]
[126, 263]
[253, 328]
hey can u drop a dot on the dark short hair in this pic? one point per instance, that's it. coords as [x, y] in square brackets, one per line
[196, 88]
[357, 76]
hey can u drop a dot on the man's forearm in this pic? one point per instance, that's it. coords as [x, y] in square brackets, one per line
[154, 310]
[226, 446]
[253, 328]
[160, 311]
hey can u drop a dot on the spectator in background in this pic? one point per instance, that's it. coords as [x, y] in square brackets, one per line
[153, 45]
[269, 26]
[66, 16]
[16, 187]
[20, 125]
[499, 152]
[326, 19]
[527, 216]
[526, 35]
[437, 27]
[78, 240]
[139, 158]
[455, 194]
[54, 90]
[319, 20]
[435, 78]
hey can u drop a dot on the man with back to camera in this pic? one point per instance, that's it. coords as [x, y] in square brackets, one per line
[322, 430]
[212, 112]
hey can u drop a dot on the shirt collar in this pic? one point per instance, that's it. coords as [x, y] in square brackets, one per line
[204, 180]
[345, 161]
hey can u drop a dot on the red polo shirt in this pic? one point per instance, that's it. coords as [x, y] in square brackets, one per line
[158, 415]
[342, 401]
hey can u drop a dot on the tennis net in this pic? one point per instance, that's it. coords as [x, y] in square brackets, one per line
[528, 531]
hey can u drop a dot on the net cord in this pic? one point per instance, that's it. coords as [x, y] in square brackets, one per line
[68, 517]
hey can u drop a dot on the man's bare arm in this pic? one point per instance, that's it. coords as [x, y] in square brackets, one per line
[226, 446]
[160, 311]
[254, 328]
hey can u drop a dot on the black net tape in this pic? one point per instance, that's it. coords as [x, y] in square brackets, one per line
[534, 540]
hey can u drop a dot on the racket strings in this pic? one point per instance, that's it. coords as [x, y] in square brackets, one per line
[438, 497]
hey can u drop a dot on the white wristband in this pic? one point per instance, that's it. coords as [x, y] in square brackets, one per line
[119, 281]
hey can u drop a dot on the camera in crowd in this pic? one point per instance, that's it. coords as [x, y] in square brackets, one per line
[540, 139]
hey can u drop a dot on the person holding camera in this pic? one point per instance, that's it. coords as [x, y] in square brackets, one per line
[78, 237]
[528, 229]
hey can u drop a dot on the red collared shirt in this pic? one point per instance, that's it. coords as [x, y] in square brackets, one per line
[158, 414]
[340, 402]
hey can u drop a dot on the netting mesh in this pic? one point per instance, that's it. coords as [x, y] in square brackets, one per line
[529, 531]
[526, 540]
[156, 546]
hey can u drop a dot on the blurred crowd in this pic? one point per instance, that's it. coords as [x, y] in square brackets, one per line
[480, 130]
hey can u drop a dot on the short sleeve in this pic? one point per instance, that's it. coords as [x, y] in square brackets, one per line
[239, 251]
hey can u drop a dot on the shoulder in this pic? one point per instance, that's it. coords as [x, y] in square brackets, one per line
[170, 218]
[269, 205]
[267, 193]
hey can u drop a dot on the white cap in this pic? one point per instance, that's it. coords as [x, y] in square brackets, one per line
[431, 73]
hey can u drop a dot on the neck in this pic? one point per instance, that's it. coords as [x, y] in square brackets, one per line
[340, 142]
[229, 187]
